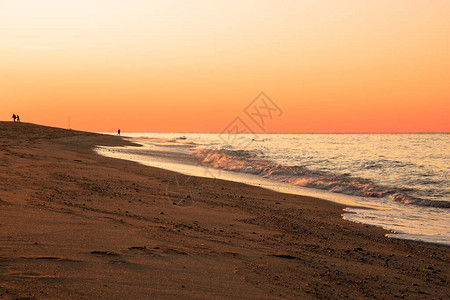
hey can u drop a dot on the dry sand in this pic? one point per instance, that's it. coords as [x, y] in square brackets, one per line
[77, 225]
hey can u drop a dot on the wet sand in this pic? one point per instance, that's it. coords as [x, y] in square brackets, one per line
[74, 224]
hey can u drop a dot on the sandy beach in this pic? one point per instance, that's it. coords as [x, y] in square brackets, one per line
[75, 225]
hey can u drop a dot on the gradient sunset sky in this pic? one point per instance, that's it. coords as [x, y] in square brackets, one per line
[193, 66]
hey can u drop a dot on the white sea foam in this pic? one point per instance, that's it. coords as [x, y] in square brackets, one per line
[248, 162]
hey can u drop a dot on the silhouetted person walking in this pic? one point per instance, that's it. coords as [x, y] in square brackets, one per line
[18, 118]
[14, 117]
[118, 132]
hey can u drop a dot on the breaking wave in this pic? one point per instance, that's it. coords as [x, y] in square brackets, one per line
[245, 161]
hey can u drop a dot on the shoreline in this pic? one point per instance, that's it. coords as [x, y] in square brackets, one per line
[188, 165]
[66, 208]
[164, 152]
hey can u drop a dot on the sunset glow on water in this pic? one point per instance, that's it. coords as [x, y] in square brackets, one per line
[402, 178]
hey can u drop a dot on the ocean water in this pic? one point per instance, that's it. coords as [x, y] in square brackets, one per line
[396, 181]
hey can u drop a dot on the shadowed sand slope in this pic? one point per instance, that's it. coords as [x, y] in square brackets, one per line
[77, 225]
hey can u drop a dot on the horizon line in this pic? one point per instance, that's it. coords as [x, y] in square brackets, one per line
[271, 132]
[221, 132]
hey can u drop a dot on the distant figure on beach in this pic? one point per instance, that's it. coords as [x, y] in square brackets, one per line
[118, 132]
[14, 117]
[18, 118]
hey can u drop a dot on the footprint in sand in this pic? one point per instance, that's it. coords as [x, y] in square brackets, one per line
[107, 253]
[142, 250]
[114, 258]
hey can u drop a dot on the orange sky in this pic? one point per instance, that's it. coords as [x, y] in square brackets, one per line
[331, 66]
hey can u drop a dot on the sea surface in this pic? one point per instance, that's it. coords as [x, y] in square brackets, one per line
[396, 181]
